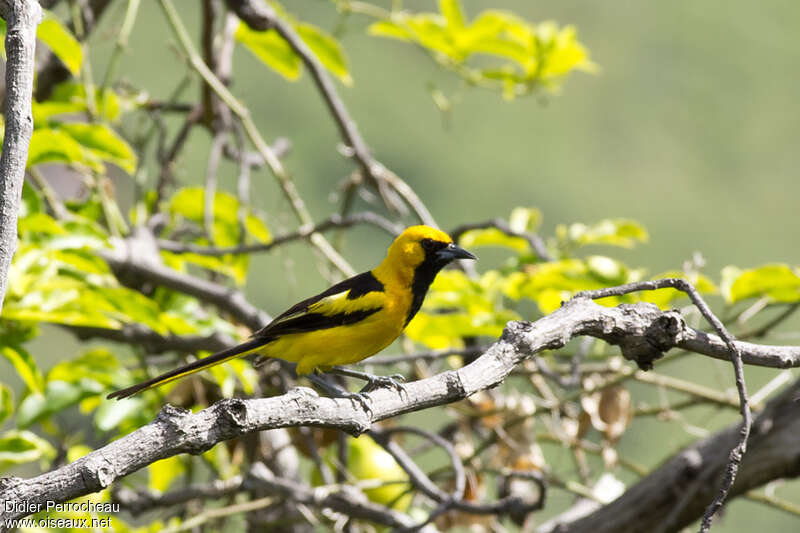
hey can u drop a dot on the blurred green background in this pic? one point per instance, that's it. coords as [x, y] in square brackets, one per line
[689, 126]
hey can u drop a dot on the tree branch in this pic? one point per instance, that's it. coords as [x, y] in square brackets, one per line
[303, 233]
[284, 180]
[773, 452]
[260, 17]
[641, 330]
[22, 17]
[534, 241]
[154, 342]
[137, 258]
[735, 356]
[51, 71]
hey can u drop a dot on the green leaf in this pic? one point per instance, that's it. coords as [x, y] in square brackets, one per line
[25, 366]
[459, 307]
[257, 228]
[6, 402]
[103, 143]
[111, 414]
[276, 53]
[44, 111]
[393, 30]
[63, 44]
[58, 396]
[271, 49]
[778, 282]
[107, 102]
[49, 145]
[548, 284]
[18, 447]
[525, 219]
[451, 9]
[327, 50]
[98, 365]
[39, 223]
[189, 203]
[615, 232]
[493, 237]
[522, 55]
[164, 472]
[31, 409]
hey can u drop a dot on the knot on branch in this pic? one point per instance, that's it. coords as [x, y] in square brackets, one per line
[98, 471]
[173, 417]
[515, 334]
[455, 387]
[234, 411]
[646, 346]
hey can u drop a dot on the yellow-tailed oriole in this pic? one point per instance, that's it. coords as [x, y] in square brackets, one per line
[351, 321]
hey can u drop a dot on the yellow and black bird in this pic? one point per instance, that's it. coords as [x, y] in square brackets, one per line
[351, 321]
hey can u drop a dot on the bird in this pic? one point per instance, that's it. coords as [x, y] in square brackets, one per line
[352, 320]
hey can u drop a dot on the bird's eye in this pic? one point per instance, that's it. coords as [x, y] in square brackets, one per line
[428, 245]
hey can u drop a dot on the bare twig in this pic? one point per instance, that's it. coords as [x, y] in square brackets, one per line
[762, 331]
[207, 515]
[303, 233]
[534, 241]
[121, 44]
[284, 180]
[22, 17]
[772, 453]
[345, 501]
[168, 159]
[153, 342]
[214, 155]
[137, 258]
[260, 16]
[737, 453]
[141, 501]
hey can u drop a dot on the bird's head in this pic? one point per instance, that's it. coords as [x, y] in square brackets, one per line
[422, 247]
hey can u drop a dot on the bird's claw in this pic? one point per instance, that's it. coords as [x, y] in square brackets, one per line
[362, 399]
[395, 381]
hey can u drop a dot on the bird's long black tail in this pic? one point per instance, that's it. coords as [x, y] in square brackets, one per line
[220, 357]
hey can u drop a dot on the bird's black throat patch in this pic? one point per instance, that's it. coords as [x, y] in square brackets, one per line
[424, 275]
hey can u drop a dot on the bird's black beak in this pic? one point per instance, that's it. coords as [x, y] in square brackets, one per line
[451, 251]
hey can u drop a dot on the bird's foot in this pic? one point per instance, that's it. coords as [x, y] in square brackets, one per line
[395, 381]
[361, 399]
[338, 392]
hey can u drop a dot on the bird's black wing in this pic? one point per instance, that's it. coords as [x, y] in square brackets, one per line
[299, 319]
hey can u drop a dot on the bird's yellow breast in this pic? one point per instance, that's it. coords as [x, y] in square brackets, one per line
[343, 345]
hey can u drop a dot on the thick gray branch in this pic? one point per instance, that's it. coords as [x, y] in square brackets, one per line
[22, 17]
[642, 331]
